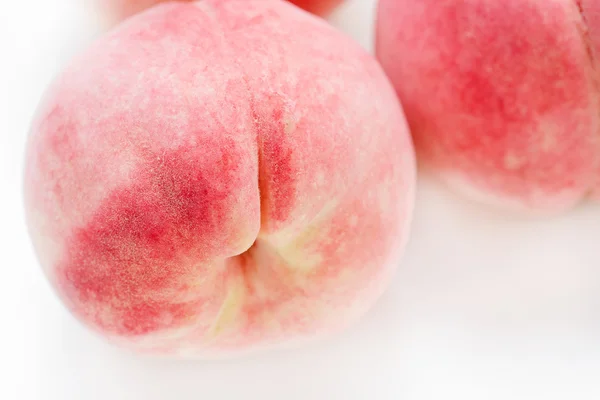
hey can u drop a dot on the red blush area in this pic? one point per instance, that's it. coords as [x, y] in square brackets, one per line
[130, 259]
[319, 7]
[277, 180]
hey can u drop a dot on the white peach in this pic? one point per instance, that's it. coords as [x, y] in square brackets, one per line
[214, 177]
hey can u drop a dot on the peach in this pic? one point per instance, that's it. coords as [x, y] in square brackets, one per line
[121, 9]
[208, 179]
[501, 96]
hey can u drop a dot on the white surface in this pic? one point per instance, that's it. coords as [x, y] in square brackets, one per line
[485, 306]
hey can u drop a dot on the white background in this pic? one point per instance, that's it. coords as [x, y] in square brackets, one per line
[486, 305]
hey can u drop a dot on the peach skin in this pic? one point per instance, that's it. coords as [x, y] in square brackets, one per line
[501, 96]
[217, 177]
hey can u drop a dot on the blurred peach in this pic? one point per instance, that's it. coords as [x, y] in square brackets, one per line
[121, 9]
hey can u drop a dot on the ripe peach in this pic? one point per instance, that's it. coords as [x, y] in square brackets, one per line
[121, 9]
[501, 96]
[214, 177]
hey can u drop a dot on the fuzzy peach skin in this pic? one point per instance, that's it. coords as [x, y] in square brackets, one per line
[217, 177]
[120, 9]
[501, 96]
